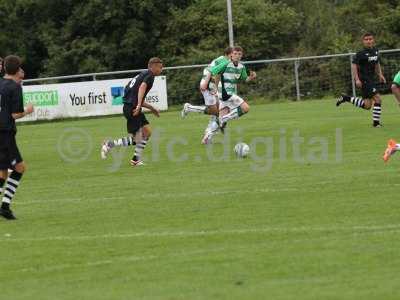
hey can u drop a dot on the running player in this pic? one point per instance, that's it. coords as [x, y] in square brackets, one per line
[208, 88]
[137, 124]
[396, 87]
[231, 106]
[365, 66]
[11, 108]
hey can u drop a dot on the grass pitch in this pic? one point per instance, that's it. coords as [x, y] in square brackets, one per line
[316, 217]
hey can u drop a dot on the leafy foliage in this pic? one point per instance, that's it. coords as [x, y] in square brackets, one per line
[68, 37]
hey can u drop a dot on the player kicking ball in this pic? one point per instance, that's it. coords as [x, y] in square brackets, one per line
[137, 125]
[208, 89]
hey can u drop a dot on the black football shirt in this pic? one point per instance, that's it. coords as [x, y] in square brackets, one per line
[367, 59]
[132, 89]
[11, 101]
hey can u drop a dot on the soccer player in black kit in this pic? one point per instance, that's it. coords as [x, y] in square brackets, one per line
[11, 108]
[137, 124]
[365, 67]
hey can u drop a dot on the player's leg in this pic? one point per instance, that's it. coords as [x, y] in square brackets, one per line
[3, 178]
[396, 92]
[396, 87]
[213, 130]
[212, 109]
[189, 108]
[238, 106]
[142, 137]
[119, 142]
[372, 99]
[376, 111]
[202, 109]
[12, 182]
[356, 101]
[368, 90]
[392, 147]
[4, 160]
[213, 112]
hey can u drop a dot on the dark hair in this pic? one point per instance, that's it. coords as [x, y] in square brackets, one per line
[237, 48]
[154, 60]
[12, 64]
[367, 34]
[228, 50]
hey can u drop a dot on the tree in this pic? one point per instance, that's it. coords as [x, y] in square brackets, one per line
[198, 33]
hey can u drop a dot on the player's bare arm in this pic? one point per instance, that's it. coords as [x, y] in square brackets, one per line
[28, 110]
[155, 111]
[253, 76]
[379, 72]
[205, 82]
[354, 68]
[141, 93]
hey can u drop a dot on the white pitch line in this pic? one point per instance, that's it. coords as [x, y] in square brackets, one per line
[159, 195]
[67, 200]
[126, 259]
[265, 230]
[171, 195]
[60, 267]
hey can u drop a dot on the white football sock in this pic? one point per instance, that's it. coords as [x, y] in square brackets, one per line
[196, 109]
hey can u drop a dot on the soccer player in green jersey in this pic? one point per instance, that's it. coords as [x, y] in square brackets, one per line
[208, 88]
[392, 145]
[231, 106]
[396, 87]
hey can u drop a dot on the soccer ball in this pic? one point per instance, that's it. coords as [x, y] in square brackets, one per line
[242, 149]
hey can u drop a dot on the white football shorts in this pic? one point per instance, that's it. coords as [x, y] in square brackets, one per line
[233, 102]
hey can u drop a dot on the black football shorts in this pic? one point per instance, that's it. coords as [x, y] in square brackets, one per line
[368, 89]
[133, 124]
[9, 153]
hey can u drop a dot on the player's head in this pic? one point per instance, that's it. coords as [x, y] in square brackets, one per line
[368, 40]
[155, 65]
[12, 65]
[237, 54]
[20, 76]
[228, 51]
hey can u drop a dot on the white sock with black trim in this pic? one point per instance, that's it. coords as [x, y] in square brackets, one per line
[376, 113]
[10, 188]
[122, 142]
[139, 149]
[2, 181]
[358, 102]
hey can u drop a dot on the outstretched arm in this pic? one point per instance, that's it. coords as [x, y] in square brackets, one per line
[154, 110]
